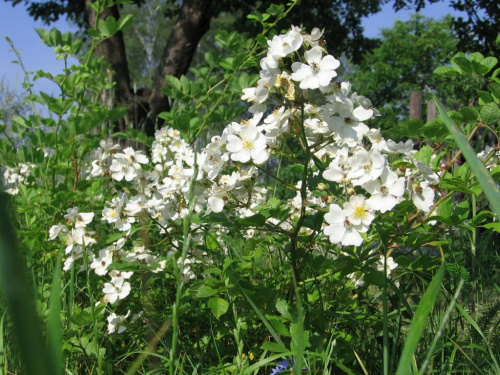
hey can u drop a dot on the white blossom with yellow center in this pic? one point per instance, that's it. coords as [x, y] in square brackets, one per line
[357, 211]
[248, 144]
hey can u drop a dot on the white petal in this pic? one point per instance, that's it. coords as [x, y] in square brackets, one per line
[335, 215]
[329, 62]
[300, 71]
[216, 203]
[382, 202]
[310, 82]
[314, 55]
[352, 237]
[362, 114]
[425, 200]
[325, 76]
[334, 232]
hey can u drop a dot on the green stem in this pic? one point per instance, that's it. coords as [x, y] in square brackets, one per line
[179, 269]
[303, 198]
[385, 320]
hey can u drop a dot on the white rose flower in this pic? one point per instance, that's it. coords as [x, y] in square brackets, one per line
[319, 70]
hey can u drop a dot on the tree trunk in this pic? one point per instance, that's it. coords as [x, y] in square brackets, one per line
[431, 110]
[192, 23]
[113, 50]
[416, 105]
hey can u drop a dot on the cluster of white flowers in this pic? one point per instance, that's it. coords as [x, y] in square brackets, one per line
[302, 103]
[79, 243]
[17, 176]
[333, 121]
[75, 236]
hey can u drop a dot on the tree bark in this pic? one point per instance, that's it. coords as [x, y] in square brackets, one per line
[113, 50]
[192, 23]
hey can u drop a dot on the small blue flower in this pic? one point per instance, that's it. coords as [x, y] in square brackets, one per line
[280, 367]
[284, 365]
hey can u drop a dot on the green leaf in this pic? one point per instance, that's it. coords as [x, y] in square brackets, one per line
[476, 56]
[81, 318]
[479, 68]
[495, 74]
[21, 121]
[446, 70]
[94, 6]
[279, 326]
[425, 154]
[125, 22]
[211, 242]
[55, 37]
[456, 184]
[490, 113]
[252, 221]
[375, 277]
[494, 88]
[185, 85]
[275, 9]
[419, 323]
[44, 36]
[274, 347]
[414, 127]
[117, 113]
[485, 97]
[108, 27]
[228, 63]
[218, 306]
[489, 186]
[435, 130]
[314, 221]
[205, 291]
[489, 62]
[284, 309]
[212, 58]
[463, 63]
[494, 226]
[469, 114]
[172, 87]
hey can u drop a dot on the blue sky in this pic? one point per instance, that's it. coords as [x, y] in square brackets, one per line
[20, 27]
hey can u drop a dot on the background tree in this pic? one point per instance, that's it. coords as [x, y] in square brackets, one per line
[12, 103]
[480, 30]
[182, 24]
[404, 62]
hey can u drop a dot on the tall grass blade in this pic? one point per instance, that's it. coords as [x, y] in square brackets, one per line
[2, 346]
[487, 184]
[54, 329]
[441, 327]
[473, 323]
[419, 322]
[262, 318]
[17, 292]
[265, 361]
